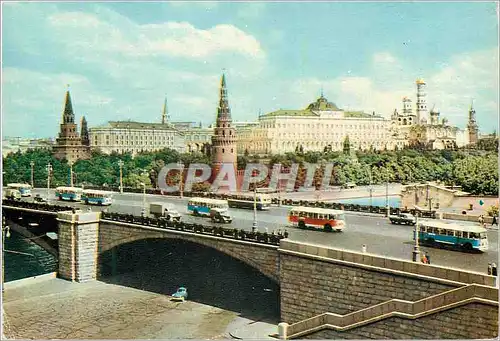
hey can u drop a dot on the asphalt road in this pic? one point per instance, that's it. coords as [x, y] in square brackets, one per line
[380, 237]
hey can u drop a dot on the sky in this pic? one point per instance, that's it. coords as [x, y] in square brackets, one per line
[121, 60]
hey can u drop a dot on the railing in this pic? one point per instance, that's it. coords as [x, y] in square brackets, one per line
[36, 206]
[230, 233]
[395, 307]
[288, 202]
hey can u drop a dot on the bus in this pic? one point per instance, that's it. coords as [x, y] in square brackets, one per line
[24, 189]
[467, 237]
[95, 197]
[246, 200]
[202, 206]
[69, 193]
[317, 218]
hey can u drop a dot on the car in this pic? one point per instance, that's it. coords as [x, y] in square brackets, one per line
[220, 215]
[39, 198]
[403, 218]
[180, 295]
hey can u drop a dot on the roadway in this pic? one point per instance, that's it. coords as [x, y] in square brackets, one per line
[380, 237]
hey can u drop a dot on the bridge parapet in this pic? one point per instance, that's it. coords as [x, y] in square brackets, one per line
[389, 265]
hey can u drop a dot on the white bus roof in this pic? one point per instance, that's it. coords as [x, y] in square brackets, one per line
[452, 226]
[64, 188]
[209, 201]
[95, 191]
[316, 210]
[18, 185]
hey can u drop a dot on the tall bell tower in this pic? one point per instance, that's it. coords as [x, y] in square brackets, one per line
[224, 137]
[472, 126]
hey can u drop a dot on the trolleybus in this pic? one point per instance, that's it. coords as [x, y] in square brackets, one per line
[317, 218]
[246, 200]
[69, 193]
[24, 189]
[467, 237]
[96, 197]
[202, 206]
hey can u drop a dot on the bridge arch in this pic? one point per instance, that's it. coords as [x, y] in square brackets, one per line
[262, 257]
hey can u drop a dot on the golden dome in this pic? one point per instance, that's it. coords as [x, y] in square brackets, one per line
[420, 81]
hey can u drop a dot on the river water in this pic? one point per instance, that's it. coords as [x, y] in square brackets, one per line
[23, 258]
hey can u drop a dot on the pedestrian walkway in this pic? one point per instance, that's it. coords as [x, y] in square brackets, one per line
[245, 329]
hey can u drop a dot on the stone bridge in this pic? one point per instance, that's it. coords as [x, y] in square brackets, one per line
[324, 292]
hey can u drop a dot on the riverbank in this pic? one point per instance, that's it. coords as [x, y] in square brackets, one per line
[51, 308]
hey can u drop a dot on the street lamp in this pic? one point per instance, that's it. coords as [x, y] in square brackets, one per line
[5, 233]
[254, 224]
[416, 249]
[388, 210]
[49, 170]
[181, 176]
[120, 163]
[70, 163]
[279, 183]
[370, 189]
[143, 198]
[32, 164]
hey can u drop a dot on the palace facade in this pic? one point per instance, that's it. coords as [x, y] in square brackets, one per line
[318, 127]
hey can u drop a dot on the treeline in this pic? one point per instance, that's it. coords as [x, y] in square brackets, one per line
[475, 171]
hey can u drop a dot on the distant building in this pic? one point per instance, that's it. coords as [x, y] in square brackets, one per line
[69, 144]
[17, 144]
[196, 137]
[425, 129]
[135, 137]
[321, 126]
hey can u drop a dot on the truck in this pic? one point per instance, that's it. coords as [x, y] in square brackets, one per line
[403, 219]
[12, 194]
[164, 210]
[220, 215]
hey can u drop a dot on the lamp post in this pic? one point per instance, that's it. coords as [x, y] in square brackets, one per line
[70, 173]
[5, 233]
[143, 199]
[32, 164]
[120, 163]
[279, 184]
[254, 224]
[49, 171]
[181, 176]
[388, 210]
[416, 249]
[370, 189]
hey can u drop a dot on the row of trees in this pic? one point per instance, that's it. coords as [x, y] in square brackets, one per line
[475, 171]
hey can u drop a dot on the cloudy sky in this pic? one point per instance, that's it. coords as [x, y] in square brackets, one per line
[122, 59]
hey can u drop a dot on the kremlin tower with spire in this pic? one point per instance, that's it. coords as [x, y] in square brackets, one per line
[224, 138]
[69, 144]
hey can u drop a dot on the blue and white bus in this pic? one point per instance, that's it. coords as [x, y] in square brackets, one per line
[24, 189]
[95, 197]
[468, 237]
[246, 200]
[202, 206]
[69, 193]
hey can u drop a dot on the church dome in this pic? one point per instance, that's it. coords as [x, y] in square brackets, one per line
[322, 104]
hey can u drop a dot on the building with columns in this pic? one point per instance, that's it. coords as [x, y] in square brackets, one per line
[135, 137]
[196, 137]
[69, 144]
[321, 125]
